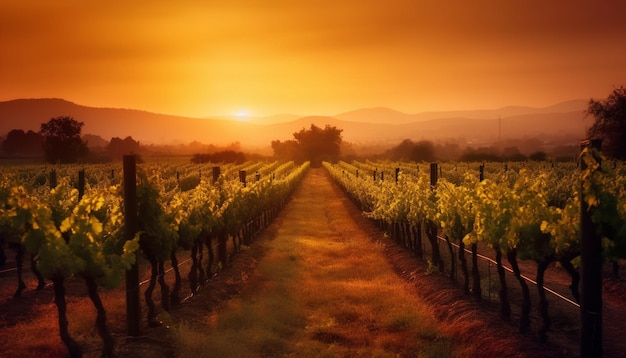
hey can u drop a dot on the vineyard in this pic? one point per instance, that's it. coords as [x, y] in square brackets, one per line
[69, 226]
[73, 224]
[465, 219]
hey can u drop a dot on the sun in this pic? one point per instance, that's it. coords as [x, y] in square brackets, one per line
[242, 115]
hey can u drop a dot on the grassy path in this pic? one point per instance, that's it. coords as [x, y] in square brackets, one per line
[322, 288]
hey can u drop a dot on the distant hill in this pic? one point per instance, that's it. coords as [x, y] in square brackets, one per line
[378, 115]
[386, 115]
[144, 126]
[380, 125]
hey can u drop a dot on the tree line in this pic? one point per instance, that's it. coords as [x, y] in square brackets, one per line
[59, 141]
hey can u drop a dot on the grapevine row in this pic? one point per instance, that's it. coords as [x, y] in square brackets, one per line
[80, 232]
[526, 211]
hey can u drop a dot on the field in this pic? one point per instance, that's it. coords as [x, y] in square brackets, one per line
[322, 280]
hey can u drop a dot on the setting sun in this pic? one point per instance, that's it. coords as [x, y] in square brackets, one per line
[242, 115]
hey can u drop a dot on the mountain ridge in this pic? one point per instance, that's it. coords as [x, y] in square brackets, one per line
[562, 119]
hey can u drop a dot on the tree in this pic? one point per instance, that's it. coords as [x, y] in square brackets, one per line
[319, 144]
[610, 123]
[118, 147]
[538, 156]
[62, 141]
[19, 143]
[409, 150]
[287, 150]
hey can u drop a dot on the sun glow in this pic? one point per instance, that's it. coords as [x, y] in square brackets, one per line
[242, 115]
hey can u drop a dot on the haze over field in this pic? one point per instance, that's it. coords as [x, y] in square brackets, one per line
[243, 58]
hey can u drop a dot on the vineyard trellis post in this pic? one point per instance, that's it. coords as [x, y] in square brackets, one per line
[133, 310]
[481, 173]
[433, 174]
[590, 271]
[431, 226]
[216, 173]
[53, 179]
[242, 177]
[81, 183]
[476, 288]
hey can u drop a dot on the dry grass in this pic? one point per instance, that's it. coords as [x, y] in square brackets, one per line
[39, 336]
[29, 324]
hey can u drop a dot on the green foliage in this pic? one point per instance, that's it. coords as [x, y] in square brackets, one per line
[95, 236]
[534, 209]
[71, 237]
[603, 191]
[455, 209]
[85, 237]
[156, 239]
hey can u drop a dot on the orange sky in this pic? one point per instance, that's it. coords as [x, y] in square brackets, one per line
[202, 58]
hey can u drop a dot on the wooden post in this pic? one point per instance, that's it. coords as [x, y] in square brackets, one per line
[397, 174]
[433, 174]
[133, 310]
[217, 171]
[431, 227]
[81, 183]
[242, 177]
[590, 273]
[476, 288]
[482, 172]
[53, 179]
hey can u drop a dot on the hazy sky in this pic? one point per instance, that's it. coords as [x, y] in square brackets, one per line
[202, 58]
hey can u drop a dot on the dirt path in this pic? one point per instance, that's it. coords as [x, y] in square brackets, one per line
[322, 282]
[322, 288]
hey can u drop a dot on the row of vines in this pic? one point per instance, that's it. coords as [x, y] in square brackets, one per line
[74, 226]
[528, 211]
